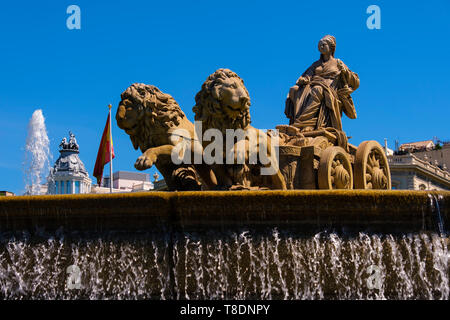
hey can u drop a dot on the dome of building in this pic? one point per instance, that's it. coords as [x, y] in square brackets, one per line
[68, 175]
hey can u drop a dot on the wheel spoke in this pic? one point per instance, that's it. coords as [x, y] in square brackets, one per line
[369, 160]
[377, 163]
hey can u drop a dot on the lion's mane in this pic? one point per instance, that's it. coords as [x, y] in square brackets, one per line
[209, 107]
[157, 112]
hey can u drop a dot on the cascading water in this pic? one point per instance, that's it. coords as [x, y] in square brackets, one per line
[435, 207]
[37, 154]
[239, 264]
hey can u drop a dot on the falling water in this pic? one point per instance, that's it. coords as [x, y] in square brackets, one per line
[240, 264]
[435, 207]
[37, 154]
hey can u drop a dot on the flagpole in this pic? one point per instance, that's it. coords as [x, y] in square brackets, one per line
[110, 152]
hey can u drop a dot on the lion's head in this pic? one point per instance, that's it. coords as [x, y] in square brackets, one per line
[223, 102]
[145, 111]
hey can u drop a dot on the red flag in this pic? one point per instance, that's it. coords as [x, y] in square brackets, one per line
[103, 155]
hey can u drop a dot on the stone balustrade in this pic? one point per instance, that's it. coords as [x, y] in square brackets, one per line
[410, 159]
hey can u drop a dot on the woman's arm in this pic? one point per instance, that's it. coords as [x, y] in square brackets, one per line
[350, 78]
[307, 75]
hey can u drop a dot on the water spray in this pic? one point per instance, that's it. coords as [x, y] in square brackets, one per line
[37, 154]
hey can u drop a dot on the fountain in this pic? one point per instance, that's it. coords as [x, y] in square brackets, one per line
[245, 235]
[37, 153]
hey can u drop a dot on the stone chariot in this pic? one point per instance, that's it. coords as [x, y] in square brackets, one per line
[322, 164]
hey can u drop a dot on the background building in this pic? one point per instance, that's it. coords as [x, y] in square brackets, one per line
[439, 155]
[421, 165]
[68, 175]
[425, 145]
[6, 194]
[125, 181]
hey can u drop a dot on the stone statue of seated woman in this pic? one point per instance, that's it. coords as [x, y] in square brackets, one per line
[322, 93]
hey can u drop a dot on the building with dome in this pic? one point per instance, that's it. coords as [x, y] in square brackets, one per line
[68, 175]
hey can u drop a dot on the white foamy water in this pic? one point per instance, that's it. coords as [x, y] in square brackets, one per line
[228, 265]
[37, 154]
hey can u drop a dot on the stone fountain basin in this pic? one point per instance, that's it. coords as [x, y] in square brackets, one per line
[225, 245]
[315, 210]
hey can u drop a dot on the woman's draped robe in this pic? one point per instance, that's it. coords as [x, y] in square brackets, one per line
[319, 103]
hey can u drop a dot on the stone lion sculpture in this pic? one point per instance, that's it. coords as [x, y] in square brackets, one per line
[224, 103]
[149, 117]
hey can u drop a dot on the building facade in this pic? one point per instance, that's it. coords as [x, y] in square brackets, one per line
[125, 181]
[438, 156]
[412, 173]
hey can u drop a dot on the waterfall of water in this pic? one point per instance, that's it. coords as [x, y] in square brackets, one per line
[242, 264]
[435, 207]
[37, 154]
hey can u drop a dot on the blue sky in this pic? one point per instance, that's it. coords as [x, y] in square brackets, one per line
[72, 75]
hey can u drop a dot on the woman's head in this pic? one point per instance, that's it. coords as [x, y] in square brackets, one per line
[327, 45]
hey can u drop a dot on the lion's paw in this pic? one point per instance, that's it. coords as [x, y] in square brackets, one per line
[145, 161]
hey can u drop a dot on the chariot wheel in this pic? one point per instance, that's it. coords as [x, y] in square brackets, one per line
[371, 167]
[335, 169]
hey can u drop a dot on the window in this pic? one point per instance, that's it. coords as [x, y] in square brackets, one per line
[56, 187]
[67, 187]
[77, 186]
[62, 188]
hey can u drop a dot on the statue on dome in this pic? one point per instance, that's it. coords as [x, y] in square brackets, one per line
[72, 141]
[71, 145]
